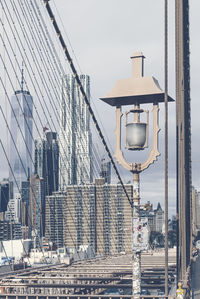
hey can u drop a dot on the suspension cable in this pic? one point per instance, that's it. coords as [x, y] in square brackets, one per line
[46, 2]
[166, 142]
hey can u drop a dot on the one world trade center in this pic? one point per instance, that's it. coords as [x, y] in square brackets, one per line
[21, 126]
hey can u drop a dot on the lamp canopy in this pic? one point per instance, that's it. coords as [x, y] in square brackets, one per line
[136, 89]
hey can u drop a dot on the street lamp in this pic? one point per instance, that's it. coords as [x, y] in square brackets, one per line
[135, 91]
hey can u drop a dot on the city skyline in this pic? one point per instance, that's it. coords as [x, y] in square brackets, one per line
[117, 65]
[76, 198]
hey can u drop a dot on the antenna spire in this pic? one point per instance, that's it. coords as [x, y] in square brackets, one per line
[22, 82]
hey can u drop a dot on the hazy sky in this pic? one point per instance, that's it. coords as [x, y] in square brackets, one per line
[103, 35]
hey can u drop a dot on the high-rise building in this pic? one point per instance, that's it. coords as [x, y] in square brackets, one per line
[159, 218]
[25, 194]
[13, 212]
[79, 216]
[54, 218]
[113, 218]
[75, 134]
[37, 207]
[10, 230]
[47, 160]
[97, 214]
[106, 171]
[195, 211]
[4, 195]
[198, 211]
[21, 139]
[155, 216]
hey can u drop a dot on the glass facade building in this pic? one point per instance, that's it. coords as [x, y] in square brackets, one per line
[106, 171]
[21, 139]
[4, 195]
[46, 161]
[75, 134]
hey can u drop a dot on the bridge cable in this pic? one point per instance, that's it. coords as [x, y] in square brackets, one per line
[28, 18]
[46, 2]
[166, 142]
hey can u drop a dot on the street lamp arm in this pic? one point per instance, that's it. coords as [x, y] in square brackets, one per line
[154, 153]
[118, 152]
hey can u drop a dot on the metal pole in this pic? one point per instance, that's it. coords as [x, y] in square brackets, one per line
[166, 147]
[183, 123]
[136, 258]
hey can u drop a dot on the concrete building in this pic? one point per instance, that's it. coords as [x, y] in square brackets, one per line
[155, 216]
[114, 218]
[97, 215]
[159, 218]
[75, 135]
[80, 216]
[10, 230]
[195, 211]
[147, 211]
[15, 249]
[106, 171]
[25, 194]
[36, 207]
[5, 228]
[54, 218]
[13, 212]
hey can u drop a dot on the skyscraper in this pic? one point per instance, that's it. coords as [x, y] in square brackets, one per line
[97, 214]
[36, 206]
[4, 194]
[21, 139]
[25, 194]
[47, 160]
[46, 166]
[13, 212]
[75, 134]
[54, 218]
[106, 171]
[159, 218]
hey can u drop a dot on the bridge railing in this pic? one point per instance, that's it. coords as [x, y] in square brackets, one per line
[15, 296]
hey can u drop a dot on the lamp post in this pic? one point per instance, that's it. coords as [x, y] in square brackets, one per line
[135, 91]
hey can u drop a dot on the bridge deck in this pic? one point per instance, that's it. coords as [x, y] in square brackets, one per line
[86, 277]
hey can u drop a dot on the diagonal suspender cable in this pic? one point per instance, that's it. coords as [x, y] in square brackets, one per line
[55, 25]
[166, 144]
[42, 31]
[13, 220]
[16, 75]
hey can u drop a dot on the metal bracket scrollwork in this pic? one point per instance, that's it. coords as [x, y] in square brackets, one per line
[154, 153]
[118, 152]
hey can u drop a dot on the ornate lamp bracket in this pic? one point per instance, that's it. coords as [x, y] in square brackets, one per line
[154, 153]
[118, 152]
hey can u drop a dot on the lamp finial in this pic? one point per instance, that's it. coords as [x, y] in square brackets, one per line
[137, 65]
